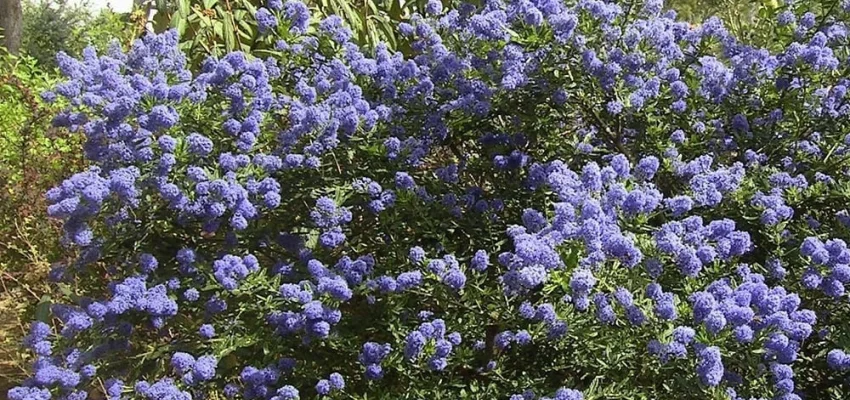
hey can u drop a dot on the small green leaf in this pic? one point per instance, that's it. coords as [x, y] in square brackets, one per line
[229, 37]
[181, 26]
[183, 7]
[42, 310]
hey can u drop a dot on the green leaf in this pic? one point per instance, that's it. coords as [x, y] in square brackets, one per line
[218, 28]
[183, 7]
[42, 310]
[244, 24]
[205, 21]
[312, 239]
[229, 36]
[181, 26]
[250, 7]
[65, 289]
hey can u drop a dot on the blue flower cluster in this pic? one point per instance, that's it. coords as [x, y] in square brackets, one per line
[560, 394]
[829, 270]
[431, 332]
[692, 244]
[328, 216]
[372, 356]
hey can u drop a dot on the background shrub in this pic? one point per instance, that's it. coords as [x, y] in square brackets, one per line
[217, 27]
[35, 157]
[542, 197]
[51, 26]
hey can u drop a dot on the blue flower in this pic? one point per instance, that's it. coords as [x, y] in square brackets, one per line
[503, 339]
[333, 26]
[582, 281]
[298, 15]
[454, 278]
[199, 144]
[266, 21]
[710, 367]
[646, 168]
[191, 294]
[204, 368]
[371, 356]
[276, 5]
[568, 394]
[206, 331]
[336, 380]
[323, 387]
[838, 360]
[434, 7]
[182, 362]
[287, 392]
[404, 181]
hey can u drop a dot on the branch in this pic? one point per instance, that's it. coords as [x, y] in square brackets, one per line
[614, 139]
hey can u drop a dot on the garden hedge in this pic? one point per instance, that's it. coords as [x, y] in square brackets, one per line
[580, 199]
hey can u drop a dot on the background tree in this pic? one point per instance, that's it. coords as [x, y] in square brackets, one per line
[11, 21]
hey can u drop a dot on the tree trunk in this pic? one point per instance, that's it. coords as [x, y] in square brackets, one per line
[12, 23]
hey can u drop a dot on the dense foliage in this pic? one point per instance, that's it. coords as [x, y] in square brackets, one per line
[576, 200]
[50, 26]
[214, 27]
[35, 157]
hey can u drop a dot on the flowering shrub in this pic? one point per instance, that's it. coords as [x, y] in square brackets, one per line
[549, 200]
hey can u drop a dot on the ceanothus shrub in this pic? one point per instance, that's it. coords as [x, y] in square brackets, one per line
[554, 200]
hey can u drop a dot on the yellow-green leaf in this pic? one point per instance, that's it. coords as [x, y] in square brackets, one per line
[229, 37]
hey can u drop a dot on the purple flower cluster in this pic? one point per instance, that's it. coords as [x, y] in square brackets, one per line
[692, 244]
[230, 269]
[433, 332]
[371, 357]
[556, 327]
[380, 199]
[448, 270]
[330, 217]
[161, 389]
[829, 270]
[765, 319]
[314, 319]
